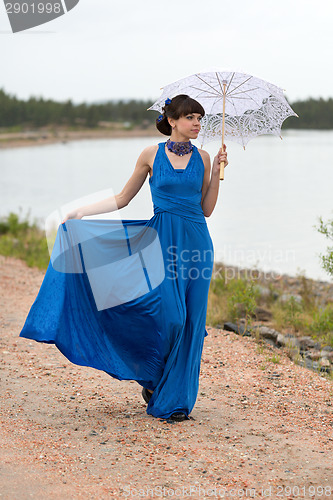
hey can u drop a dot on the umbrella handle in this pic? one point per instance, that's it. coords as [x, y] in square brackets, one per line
[221, 170]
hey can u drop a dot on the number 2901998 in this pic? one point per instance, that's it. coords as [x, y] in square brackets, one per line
[33, 8]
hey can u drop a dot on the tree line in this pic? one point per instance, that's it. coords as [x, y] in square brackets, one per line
[39, 112]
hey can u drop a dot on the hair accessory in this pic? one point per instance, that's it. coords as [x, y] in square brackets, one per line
[179, 148]
[167, 101]
[160, 118]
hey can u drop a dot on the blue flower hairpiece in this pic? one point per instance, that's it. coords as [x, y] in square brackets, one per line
[160, 118]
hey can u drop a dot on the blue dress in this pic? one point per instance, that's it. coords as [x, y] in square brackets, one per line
[140, 314]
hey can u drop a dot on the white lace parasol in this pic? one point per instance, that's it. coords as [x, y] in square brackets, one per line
[251, 106]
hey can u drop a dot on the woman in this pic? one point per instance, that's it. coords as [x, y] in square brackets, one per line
[156, 338]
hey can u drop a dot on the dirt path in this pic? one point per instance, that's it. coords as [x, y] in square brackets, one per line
[71, 432]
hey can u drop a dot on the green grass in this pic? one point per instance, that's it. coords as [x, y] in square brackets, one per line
[233, 299]
[13, 129]
[23, 240]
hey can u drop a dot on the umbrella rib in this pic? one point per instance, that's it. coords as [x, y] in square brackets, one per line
[256, 103]
[246, 98]
[244, 91]
[233, 104]
[218, 79]
[243, 83]
[206, 83]
[217, 99]
[211, 96]
[230, 82]
[204, 91]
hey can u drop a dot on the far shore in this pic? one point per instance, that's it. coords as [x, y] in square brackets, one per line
[43, 137]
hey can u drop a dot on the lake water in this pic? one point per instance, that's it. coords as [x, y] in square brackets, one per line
[269, 201]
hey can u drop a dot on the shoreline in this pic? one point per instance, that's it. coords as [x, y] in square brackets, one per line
[48, 135]
[45, 136]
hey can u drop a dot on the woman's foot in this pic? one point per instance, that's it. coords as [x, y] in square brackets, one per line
[178, 417]
[146, 394]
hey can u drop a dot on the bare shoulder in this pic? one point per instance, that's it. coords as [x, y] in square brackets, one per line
[148, 154]
[205, 156]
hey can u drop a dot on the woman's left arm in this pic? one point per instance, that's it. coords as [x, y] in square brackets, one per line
[211, 183]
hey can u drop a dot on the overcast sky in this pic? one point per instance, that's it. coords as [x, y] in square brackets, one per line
[111, 49]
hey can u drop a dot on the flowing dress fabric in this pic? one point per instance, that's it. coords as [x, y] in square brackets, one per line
[155, 338]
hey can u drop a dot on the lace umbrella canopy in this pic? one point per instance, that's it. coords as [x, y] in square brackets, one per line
[238, 106]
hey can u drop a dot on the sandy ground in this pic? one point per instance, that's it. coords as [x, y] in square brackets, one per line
[258, 429]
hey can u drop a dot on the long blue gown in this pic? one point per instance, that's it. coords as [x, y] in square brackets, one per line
[155, 338]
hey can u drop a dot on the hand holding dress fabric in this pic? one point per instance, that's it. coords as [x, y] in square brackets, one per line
[72, 215]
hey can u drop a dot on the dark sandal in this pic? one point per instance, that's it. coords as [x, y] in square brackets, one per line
[146, 395]
[178, 417]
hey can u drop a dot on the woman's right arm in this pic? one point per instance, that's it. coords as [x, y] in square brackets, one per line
[122, 199]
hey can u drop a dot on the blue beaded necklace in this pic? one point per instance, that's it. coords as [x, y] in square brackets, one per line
[179, 148]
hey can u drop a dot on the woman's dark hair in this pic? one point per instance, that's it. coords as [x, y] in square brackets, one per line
[180, 105]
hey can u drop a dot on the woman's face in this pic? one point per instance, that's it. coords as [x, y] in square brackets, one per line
[189, 125]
